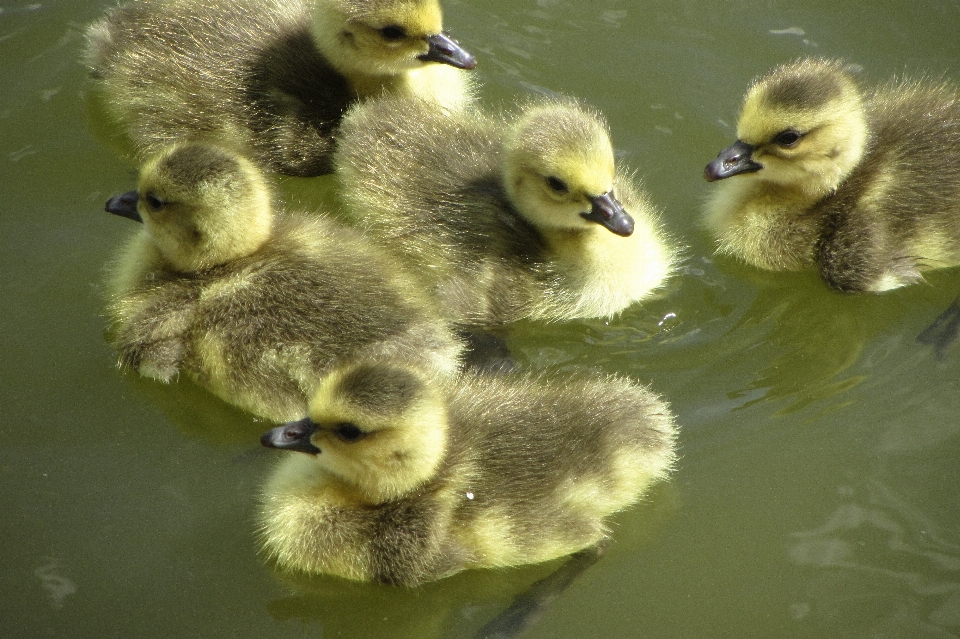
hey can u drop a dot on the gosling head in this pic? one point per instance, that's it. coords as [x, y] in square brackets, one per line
[385, 37]
[378, 428]
[202, 205]
[559, 170]
[802, 127]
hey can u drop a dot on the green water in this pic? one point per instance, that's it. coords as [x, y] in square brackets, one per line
[817, 493]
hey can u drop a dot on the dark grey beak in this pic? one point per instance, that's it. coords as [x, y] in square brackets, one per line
[610, 214]
[124, 205]
[733, 160]
[446, 50]
[292, 436]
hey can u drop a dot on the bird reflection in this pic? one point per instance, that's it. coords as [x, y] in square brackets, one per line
[813, 342]
[343, 607]
[199, 414]
[806, 339]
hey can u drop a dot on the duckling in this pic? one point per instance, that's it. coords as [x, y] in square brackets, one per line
[864, 187]
[255, 304]
[274, 76]
[403, 478]
[507, 217]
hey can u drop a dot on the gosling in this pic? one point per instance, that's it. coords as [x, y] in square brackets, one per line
[255, 305]
[402, 480]
[507, 218]
[271, 76]
[864, 187]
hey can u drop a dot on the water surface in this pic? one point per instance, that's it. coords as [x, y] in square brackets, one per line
[817, 490]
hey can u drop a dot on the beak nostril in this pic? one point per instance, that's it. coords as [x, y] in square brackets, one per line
[734, 160]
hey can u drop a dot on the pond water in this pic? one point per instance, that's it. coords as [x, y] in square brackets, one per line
[818, 490]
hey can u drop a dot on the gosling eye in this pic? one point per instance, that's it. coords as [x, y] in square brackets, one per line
[557, 185]
[788, 139]
[154, 202]
[393, 32]
[348, 432]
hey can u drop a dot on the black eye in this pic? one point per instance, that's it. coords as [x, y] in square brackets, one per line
[557, 184]
[153, 202]
[348, 432]
[788, 138]
[393, 32]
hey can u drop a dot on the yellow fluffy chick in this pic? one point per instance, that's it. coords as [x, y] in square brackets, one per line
[517, 217]
[864, 186]
[273, 76]
[255, 305]
[402, 480]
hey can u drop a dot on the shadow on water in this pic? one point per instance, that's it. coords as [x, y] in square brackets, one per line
[530, 605]
[944, 330]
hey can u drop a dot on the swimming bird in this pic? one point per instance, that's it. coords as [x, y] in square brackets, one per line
[255, 304]
[401, 478]
[862, 185]
[523, 216]
[272, 77]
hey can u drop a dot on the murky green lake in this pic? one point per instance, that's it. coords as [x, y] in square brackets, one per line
[818, 490]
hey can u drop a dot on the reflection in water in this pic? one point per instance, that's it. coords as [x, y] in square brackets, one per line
[444, 608]
[810, 343]
[887, 556]
[198, 413]
[56, 585]
[915, 566]
[527, 608]
[805, 337]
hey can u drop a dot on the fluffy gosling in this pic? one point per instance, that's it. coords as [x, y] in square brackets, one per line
[864, 187]
[271, 76]
[255, 304]
[507, 218]
[402, 480]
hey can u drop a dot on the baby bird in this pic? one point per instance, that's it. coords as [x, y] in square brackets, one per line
[863, 186]
[271, 76]
[507, 218]
[402, 479]
[255, 305]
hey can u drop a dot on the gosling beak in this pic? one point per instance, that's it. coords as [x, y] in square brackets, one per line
[446, 50]
[292, 436]
[610, 214]
[736, 158]
[124, 205]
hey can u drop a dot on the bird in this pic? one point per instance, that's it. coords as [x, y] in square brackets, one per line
[402, 478]
[272, 77]
[862, 186]
[253, 302]
[523, 215]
